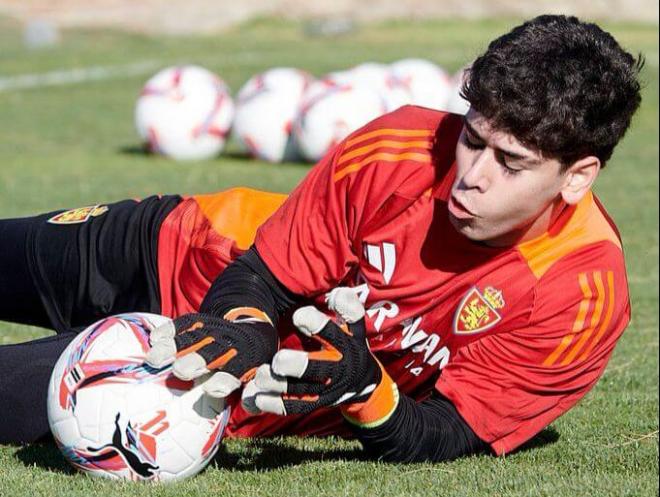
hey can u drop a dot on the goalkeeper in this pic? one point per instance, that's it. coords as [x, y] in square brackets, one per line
[438, 285]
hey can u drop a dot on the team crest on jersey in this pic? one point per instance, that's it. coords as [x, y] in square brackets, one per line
[79, 215]
[478, 311]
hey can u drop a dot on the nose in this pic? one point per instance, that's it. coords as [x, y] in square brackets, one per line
[476, 177]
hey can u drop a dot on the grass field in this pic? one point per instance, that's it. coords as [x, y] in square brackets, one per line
[75, 145]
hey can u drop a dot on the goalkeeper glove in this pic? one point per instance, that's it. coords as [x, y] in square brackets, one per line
[343, 373]
[198, 344]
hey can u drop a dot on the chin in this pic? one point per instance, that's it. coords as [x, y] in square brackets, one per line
[474, 234]
[466, 228]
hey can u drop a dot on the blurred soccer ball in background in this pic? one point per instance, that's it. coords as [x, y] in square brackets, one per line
[265, 109]
[456, 103]
[184, 113]
[377, 78]
[331, 112]
[429, 85]
[114, 416]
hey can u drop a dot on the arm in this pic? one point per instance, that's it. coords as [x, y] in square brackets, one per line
[307, 245]
[344, 373]
[432, 430]
[247, 282]
[234, 332]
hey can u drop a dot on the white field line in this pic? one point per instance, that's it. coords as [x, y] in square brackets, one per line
[65, 77]
[74, 76]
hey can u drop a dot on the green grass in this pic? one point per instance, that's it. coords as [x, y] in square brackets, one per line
[75, 145]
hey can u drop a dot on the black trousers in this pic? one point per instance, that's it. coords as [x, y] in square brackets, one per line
[64, 271]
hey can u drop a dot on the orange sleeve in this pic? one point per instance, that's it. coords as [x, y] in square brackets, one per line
[237, 213]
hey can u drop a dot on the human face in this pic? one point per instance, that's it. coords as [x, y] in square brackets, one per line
[504, 192]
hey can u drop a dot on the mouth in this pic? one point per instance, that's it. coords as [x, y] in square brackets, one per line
[458, 210]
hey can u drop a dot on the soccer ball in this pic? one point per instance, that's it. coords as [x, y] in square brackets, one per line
[114, 416]
[369, 74]
[374, 77]
[265, 109]
[456, 103]
[330, 113]
[429, 85]
[184, 113]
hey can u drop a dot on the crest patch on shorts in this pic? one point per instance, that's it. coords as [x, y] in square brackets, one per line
[79, 215]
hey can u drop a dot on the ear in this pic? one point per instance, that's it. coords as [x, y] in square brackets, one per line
[579, 178]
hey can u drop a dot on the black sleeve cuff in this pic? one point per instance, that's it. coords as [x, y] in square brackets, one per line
[432, 430]
[247, 282]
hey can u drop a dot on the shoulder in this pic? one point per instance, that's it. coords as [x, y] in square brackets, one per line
[412, 117]
[579, 262]
[583, 235]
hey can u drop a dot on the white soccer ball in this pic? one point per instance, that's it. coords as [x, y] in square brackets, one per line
[114, 416]
[184, 113]
[374, 77]
[330, 113]
[457, 104]
[429, 85]
[265, 109]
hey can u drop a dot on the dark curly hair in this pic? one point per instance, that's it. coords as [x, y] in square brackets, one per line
[561, 86]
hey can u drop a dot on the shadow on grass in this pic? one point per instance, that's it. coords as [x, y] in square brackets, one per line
[233, 155]
[548, 436]
[44, 455]
[263, 454]
[271, 454]
[259, 454]
[239, 156]
[267, 454]
[141, 150]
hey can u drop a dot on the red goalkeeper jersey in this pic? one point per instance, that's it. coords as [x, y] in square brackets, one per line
[513, 336]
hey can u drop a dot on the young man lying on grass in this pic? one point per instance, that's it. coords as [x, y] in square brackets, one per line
[437, 286]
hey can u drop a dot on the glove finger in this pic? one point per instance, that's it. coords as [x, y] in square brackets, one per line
[268, 382]
[291, 363]
[163, 332]
[269, 402]
[299, 365]
[309, 320]
[313, 323]
[161, 354]
[248, 397]
[303, 404]
[299, 388]
[345, 302]
[191, 341]
[216, 355]
[228, 360]
[190, 366]
[189, 322]
[221, 384]
[283, 405]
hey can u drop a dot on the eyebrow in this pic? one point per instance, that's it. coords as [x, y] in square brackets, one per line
[508, 153]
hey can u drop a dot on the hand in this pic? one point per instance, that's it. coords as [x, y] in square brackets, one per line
[199, 344]
[343, 372]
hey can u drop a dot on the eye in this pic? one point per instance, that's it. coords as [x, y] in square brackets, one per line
[510, 171]
[471, 144]
[507, 170]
